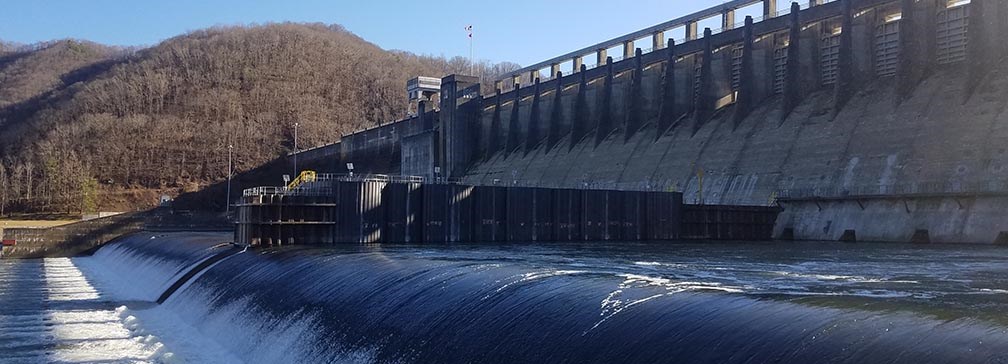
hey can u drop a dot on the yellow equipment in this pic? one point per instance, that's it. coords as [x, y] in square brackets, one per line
[304, 177]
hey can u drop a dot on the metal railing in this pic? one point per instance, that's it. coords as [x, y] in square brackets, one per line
[344, 177]
[642, 33]
[320, 188]
[674, 24]
[656, 186]
[262, 191]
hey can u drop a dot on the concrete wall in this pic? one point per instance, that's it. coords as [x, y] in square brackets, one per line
[377, 150]
[943, 127]
[945, 219]
[419, 153]
[68, 240]
[638, 124]
[84, 237]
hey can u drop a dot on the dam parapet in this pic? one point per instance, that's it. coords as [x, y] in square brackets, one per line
[384, 209]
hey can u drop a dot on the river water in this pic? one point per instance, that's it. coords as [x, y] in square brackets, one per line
[564, 303]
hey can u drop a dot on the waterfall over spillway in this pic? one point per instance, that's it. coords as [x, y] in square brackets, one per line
[150, 263]
[583, 303]
[94, 310]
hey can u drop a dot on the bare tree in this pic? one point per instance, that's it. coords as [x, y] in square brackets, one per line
[158, 118]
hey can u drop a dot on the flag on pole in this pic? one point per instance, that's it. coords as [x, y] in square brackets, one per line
[472, 60]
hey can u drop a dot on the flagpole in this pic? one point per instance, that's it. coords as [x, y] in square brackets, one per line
[472, 61]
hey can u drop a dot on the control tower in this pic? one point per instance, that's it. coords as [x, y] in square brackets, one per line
[422, 89]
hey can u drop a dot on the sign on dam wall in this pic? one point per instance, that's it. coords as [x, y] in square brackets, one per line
[838, 97]
[363, 211]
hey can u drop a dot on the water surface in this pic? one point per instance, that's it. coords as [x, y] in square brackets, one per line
[518, 303]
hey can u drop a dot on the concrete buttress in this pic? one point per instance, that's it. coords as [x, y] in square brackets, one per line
[513, 124]
[847, 81]
[580, 124]
[705, 103]
[533, 127]
[605, 106]
[493, 145]
[634, 114]
[792, 78]
[668, 113]
[556, 114]
[744, 100]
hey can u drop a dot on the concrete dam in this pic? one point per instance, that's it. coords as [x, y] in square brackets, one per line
[555, 219]
[864, 119]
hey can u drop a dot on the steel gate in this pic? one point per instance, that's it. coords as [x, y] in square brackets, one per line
[697, 71]
[830, 57]
[736, 68]
[887, 48]
[780, 60]
[953, 24]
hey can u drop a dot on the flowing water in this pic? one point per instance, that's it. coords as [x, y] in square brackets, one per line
[541, 303]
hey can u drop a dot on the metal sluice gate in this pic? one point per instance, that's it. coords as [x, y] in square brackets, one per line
[366, 211]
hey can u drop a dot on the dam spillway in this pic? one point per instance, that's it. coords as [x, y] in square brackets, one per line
[511, 303]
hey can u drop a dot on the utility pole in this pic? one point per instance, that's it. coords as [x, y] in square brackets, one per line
[227, 208]
[295, 149]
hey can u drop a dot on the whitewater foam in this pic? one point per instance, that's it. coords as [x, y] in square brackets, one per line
[163, 336]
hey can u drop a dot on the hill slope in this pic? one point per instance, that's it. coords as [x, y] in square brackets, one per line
[50, 66]
[164, 117]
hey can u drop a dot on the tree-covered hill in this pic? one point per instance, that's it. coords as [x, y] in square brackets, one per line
[82, 125]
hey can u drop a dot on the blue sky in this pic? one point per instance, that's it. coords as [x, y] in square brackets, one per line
[522, 31]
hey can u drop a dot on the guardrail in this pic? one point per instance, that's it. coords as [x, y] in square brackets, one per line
[315, 189]
[667, 26]
[322, 189]
[654, 186]
[671, 24]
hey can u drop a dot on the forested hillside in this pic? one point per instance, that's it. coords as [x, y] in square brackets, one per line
[89, 127]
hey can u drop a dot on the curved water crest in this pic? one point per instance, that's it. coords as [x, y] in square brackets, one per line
[602, 303]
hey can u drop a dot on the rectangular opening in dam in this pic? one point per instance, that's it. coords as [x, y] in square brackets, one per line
[678, 34]
[567, 68]
[589, 61]
[714, 23]
[755, 10]
[544, 74]
[614, 52]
